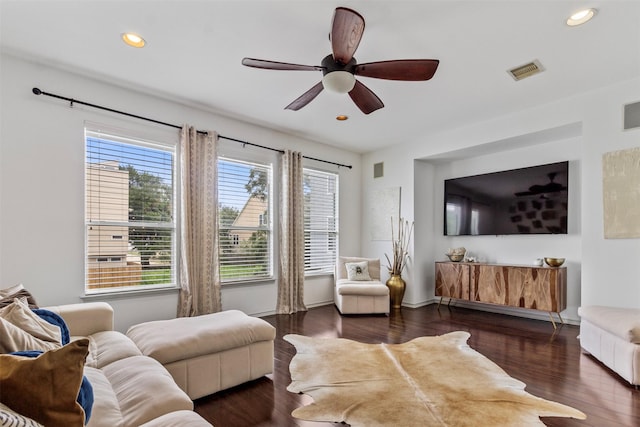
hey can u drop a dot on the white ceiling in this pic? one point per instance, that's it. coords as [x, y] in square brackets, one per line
[195, 48]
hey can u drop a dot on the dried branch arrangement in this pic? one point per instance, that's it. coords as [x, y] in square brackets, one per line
[400, 242]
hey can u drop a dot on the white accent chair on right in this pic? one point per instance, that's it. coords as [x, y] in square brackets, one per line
[360, 291]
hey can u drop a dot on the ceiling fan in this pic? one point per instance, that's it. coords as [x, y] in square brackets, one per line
[550, 187]
[340, 67]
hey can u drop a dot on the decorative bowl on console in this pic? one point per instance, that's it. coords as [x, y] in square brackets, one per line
[455, 257]
[457, 254]
[554, 262]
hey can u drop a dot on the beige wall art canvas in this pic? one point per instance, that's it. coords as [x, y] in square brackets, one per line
[621, 193]
[383, 204]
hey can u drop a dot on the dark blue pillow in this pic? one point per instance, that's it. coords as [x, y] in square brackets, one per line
[85, 395]
[56, 320]
[85, 398]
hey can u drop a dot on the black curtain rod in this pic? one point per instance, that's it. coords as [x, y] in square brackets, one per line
[72, 101]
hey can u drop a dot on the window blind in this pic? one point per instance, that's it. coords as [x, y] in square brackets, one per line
[244, 218]
[130, 213]
[320, 221]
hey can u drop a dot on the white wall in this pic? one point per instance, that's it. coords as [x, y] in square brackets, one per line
[516, 249]
[42, 186]
[579, 129]
[42, 176]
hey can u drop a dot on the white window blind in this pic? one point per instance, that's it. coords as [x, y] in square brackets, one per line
[320, 221]
[244, 217]
[130, 213]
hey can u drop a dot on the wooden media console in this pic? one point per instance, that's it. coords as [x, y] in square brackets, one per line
[536, 288]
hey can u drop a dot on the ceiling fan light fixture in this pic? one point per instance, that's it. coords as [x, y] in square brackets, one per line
[581, 17]
[339, 81]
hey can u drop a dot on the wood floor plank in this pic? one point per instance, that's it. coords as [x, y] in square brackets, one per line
[550, 363]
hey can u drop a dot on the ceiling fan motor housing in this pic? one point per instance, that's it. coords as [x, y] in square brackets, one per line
[329, 65]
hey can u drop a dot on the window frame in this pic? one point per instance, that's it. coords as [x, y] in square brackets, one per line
[329, 268]
[266, 224]
[140, 140]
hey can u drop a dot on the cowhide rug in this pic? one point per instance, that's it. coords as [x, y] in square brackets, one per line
[429, 381]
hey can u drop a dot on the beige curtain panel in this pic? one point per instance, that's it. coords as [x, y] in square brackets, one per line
[291, 267]
[199, 274]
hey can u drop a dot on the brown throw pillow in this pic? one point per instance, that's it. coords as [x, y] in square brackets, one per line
[46, 388]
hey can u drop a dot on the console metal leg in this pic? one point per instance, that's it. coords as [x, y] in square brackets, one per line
[448, 303]
[553, 321]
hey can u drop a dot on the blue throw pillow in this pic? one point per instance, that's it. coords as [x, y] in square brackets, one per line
[85, 398]
[56, 320]
[85, 395]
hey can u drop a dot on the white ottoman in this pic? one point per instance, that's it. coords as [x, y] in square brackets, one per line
[209, 353]
[612, 335]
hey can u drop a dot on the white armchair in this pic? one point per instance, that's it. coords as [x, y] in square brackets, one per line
[358, 288]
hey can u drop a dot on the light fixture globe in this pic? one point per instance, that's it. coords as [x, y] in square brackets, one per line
[339, 81]
[338, 77]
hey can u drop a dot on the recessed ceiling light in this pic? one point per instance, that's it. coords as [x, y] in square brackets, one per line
[133, 40]
[581, 17]
[342, 118]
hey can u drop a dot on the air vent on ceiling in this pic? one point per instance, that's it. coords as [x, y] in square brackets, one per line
[526, 70]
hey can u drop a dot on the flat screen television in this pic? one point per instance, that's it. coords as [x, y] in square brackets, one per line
[530, 200]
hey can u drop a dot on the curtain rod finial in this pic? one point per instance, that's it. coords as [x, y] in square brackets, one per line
[36, 91]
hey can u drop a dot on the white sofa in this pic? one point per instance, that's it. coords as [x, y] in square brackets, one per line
[360, 296]
[612, 335]
[130, 389]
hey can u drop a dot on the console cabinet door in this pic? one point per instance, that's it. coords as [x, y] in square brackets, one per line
[538, 288]
[452, 280]
[527, 287]
[489, 283]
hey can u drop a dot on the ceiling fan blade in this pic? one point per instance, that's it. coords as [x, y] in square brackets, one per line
[274, 65]
[401, 69]
[305, 98]
[346, 32]
[365, 99]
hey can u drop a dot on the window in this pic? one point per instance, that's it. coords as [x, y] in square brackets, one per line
[244, 218]
[130, 213]
[320, 221]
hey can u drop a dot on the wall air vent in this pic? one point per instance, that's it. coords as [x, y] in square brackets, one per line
[378, 170]
[632, 116]
[526, 70]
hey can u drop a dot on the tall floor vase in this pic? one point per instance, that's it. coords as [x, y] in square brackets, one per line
[396, 287]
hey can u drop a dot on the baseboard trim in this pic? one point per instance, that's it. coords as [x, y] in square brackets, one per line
[490, 308]
[272, 312]
[511, 311]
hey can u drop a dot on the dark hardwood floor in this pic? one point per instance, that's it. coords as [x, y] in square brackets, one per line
[551, 364]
